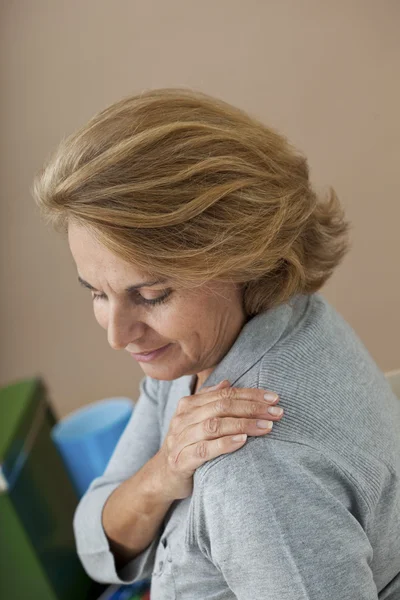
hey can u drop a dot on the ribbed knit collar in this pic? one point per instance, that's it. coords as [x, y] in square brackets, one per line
[255, 339]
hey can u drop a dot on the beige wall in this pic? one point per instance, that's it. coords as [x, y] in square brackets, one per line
[324, 73]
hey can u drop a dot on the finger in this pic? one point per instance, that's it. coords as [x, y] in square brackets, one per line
[225, 400]
[193, 400]
[212, 415]
[221, 427]
[191, 457]
[204, 422]
[221, 384]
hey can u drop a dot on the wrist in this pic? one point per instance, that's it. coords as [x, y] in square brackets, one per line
[157, 483]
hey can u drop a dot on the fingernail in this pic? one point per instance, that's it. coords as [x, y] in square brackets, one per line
[264, 424]
[271, 397]
[275, 410]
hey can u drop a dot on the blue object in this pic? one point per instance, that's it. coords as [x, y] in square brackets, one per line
[126, 592]
[86, 438]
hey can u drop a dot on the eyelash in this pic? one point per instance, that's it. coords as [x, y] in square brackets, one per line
[153, 302]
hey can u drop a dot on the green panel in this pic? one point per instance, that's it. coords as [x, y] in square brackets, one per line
[21, 575]
[14, 404]
[37, 509]
[45, 501]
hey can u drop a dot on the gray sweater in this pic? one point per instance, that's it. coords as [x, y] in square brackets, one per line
[310, 511]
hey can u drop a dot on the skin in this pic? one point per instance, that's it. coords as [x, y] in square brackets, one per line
[201, 324]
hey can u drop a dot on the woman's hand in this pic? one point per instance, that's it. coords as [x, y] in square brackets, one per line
[215, 421]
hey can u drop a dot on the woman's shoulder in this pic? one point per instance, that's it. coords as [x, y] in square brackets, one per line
[266, 458]
[324, 334]
[319, 327]
[334, 395]
[323, 367]
[268, 471]
[337, 404]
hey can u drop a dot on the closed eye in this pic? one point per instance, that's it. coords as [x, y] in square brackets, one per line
[138, 298]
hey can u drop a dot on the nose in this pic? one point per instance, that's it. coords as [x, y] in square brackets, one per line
[122, 329]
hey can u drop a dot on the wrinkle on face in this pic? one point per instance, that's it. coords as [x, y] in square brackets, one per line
[201, 324]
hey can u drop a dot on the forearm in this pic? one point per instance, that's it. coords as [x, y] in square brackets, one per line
[134, 512]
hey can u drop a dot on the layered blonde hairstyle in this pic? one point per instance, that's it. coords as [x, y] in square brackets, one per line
[192, 189]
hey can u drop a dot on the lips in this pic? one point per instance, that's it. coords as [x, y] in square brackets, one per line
[149, 356]
[148, 351]
[144, 352]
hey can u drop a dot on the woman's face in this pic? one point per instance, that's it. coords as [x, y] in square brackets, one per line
[199, 325]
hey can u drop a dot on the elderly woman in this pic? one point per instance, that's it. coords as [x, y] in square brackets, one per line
[196, 230]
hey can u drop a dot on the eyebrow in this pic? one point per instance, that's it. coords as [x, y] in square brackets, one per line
[131, 288]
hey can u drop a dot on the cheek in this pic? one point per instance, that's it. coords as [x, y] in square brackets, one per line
[170, 322]
[101, 313]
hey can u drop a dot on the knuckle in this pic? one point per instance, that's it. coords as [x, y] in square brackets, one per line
[224, 405]
[227, 393]
[182, 405]
[254, 408]
[219, 406]
[212, 425]
[239, 426]
[201, 450]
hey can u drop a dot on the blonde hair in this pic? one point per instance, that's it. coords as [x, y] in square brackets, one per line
[193, 189]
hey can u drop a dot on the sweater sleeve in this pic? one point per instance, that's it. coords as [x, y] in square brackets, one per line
[280, 520]
[139, 442]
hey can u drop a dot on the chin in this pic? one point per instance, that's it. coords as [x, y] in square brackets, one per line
[165, 373]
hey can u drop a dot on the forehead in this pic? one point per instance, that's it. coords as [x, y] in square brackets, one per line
[93, 260]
